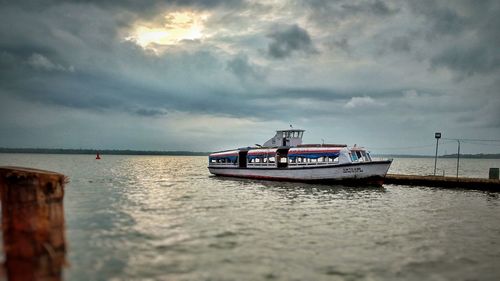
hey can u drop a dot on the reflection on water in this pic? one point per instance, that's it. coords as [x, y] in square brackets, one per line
[320, 192]
[166, 218]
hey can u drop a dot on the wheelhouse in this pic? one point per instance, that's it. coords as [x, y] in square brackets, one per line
[358, 154]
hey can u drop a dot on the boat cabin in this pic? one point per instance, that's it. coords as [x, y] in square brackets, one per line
[285, 150]
[284, 157]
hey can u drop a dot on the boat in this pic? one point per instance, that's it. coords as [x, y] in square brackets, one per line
[284, 157]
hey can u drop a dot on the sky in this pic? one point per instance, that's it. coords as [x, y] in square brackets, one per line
[218, 74]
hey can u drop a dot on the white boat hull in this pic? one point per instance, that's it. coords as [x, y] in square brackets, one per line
[373, 171]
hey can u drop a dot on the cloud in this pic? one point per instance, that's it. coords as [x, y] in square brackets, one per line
[308, 62]
[40, 62]
[463, 35]
[440, 18]
[401, 44]
[362, 102]
[377, 7]
[468, 60]
[244, 69]
[289, 40]
[150, 112]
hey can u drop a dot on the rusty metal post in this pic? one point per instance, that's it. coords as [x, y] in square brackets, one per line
[33, 223]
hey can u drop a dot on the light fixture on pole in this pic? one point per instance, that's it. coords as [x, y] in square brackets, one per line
[437, 135]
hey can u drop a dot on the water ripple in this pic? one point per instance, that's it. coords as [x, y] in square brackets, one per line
[166, 218]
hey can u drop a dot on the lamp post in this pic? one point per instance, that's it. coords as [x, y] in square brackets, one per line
[458, 156]
[437, 135]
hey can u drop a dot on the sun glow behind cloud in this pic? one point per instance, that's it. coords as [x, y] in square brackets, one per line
[172, 30]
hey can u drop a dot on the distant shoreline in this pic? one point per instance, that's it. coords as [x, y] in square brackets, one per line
[198, 153]
[453, 156]
[102, 152]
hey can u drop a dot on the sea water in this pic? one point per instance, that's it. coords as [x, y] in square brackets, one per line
[166, 218]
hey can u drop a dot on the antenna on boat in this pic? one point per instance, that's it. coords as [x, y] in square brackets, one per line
[322, 141]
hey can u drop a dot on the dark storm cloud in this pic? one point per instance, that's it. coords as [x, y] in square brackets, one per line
[289, 40]
[343, 44]
[318, 94]
[442, 19]
[150, 112]
[375, 62]
[332, 12]
[146, 6]
[244, 69]
[325, 94]
[107, 92]
[469, 60]
[470, 27]
[401, 44]
[377, 7]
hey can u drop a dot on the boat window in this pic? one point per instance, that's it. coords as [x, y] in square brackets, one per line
[283, 160]
[363, 156]
[353, 156]
[272, 159]
[358, 154]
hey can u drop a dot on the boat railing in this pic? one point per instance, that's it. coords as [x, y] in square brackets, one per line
[212, 164]
[269, 164]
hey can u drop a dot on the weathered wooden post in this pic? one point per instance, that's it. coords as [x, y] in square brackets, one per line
[493, 175]
[32, 223]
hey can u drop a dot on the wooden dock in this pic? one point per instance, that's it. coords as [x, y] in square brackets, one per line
[447, 182]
